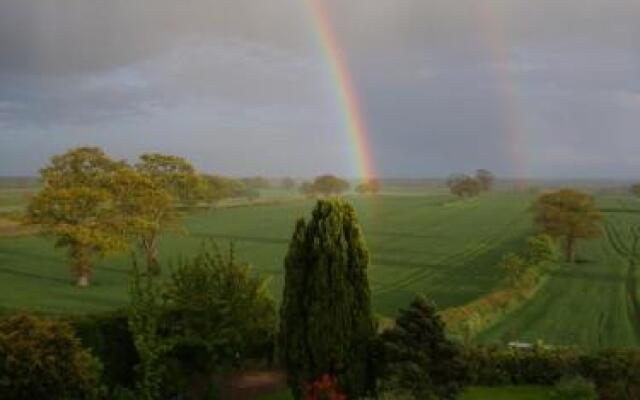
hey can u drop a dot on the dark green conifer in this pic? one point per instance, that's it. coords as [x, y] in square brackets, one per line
[326, 324]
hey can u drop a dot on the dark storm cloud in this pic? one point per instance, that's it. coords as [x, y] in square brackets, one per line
[241, 86]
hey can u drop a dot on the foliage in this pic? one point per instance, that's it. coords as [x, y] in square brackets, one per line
[108, 337]
[464, 185]
[218, 312]
[635, 189]
[329, 185]
[326, 323]
[76, 207]
[256, 182]
[288, 183]
[568, 214]
[417, 356]
[145, 314]
[42, 359]
[324, 388]
[174, 174]
[486, 179]
[514, 267]
[540, 249]
[306, 188]
[369, 187]
[575, 388]
[220, 188]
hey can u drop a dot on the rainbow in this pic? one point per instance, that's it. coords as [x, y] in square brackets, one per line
[515, 122]
[338, 67]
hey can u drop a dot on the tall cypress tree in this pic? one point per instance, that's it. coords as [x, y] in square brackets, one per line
[326, 324]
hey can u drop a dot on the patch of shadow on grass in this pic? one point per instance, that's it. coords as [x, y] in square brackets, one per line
[31, 275]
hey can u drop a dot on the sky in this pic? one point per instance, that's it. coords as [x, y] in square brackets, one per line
[544, 88]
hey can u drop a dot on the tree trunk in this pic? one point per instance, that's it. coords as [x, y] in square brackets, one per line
[83, 279]
[570, 250]
[151, 255]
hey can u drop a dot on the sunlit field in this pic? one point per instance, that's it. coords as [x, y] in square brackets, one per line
[428, 243]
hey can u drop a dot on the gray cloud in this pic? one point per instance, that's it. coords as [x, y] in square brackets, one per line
[241, 86]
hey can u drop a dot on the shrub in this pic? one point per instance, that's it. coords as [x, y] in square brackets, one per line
[541, 248]
[42, 359]
[575, 388]
[108, 337]
[417, 357]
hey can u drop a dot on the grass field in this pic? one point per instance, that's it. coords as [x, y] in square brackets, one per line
[428, 244]
[594, 302]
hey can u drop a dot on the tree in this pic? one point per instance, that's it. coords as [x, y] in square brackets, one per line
[486, 179]
[369, 187]
[417, 357]
[330, 185]
[635, 190]
[464, 185]
[170, 176]
[174, 174]
[42, 359]
[570, 215]
[288, 183]
[146, 209]
[326, 323]
[256, 183]
[76, 207]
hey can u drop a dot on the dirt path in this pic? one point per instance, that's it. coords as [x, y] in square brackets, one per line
[248, 385]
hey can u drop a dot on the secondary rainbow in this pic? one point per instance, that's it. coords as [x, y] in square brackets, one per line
[347, 96]
[515, 125]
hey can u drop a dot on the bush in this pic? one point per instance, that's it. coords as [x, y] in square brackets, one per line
[416, 356]
[541, 248]
[108, 337]
[575, 388]
[42, 359]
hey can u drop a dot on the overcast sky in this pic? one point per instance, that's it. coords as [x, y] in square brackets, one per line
[543, 88]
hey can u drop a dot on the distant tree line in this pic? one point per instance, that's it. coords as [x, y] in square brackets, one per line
[466, 186]
[325, 185]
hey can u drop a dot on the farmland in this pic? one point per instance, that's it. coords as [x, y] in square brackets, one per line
[420, 242]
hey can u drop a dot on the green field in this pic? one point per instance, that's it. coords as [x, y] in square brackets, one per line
[428, 244]
[594, 302]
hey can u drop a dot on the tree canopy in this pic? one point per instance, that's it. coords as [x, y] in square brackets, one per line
[486, 179]
[371, 186]
[570, 215]
[464, 185]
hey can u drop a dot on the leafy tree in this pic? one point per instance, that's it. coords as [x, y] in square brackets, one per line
[372, 187]
[330, 185]
[175, 174]
[219, 188]
[486, 179]
[541, 248]
[171, 181]
[570, 215]
[76, 207]
[42, 359]
[635, 190]
[418, 358]
[146, 209]
[288, 183]
[464, 186]
[326, 324]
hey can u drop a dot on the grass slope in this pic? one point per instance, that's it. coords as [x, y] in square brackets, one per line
[430, 244]
[592, 303]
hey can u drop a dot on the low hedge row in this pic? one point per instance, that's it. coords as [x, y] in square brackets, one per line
[611, 370]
